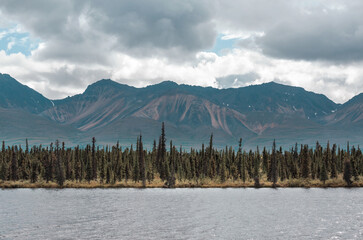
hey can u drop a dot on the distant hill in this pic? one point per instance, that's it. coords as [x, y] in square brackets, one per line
[14, 95]
[348, 114]
[111, 111]
[17, 125]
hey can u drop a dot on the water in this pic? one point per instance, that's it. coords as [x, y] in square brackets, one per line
[181, 214]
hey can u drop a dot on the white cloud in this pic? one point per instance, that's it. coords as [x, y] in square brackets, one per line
[142, 43]
[11, 44]
[58, 79]
[3, 34]
[241, 35]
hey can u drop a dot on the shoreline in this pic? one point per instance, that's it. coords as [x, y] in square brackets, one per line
[296, 183]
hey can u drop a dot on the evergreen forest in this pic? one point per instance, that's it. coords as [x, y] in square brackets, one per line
[166, 165]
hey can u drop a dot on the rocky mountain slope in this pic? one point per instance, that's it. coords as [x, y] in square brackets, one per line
[14, 95]
[112, 111]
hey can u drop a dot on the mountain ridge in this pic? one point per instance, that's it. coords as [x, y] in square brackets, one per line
[258, 113]
[12, 92]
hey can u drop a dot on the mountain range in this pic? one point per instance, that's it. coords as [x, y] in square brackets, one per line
[114, 112]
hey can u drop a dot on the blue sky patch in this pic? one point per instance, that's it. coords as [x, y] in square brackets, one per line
[223, 44]
[12, 41]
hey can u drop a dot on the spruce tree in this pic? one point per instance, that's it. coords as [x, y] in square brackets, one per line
[171, 179]
[242, 161]
[305, 162]
[273, 165]
[256, 169]
[161, 156]
[354, 164]
[209, 171]
[333, 171]
[3, 170]
[108, 174]
[264, 161]
[323, 172]
[222, 168]
[347, 176]
[127, 173]
[26, 146]
[103, 168]
[48, 166]
[59, 166]
[94, 159]
[136, 166]
[294, 164]
[142, 162]
[88, 162]
[14, 164]
[34, 173]
[75, 165]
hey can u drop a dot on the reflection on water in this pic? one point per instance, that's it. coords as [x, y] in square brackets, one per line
[181, 214]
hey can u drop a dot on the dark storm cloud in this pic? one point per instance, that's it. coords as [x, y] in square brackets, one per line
[251, 15]
[301, 30]
[332, 34]
[90, 30]
[149, 27]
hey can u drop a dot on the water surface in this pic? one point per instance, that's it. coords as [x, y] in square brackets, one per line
[181, 214]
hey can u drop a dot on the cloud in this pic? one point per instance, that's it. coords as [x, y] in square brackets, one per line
[330, 34]
[89, 30]
[62, 46]
[237, 80]
[10, 44]
[57, 80]
[314, 30]
[82, 31]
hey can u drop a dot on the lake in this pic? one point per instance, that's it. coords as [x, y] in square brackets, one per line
[291, 213]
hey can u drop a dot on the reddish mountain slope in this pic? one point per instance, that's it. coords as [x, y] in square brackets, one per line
[112, 111]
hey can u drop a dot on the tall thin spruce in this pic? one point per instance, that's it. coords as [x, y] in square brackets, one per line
[142, 162]
[59, 165]
[273, 165]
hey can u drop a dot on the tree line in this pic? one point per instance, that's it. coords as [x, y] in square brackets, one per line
[111, 164]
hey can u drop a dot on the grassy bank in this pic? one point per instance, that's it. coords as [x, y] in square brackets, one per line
[205, 183]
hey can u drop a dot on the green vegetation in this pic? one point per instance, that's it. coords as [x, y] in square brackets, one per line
[112, 166]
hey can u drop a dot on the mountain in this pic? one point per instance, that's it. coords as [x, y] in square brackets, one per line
[17, 125]
[20, 107]
[106, 104]
[195, 111]
[18, 96]
[350, 113]
[100, 104]
[111, 111]
[271, 97]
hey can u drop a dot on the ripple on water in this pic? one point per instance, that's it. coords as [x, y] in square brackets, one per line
[181, 214]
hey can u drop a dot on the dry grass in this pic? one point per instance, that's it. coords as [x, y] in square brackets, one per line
[205, 183]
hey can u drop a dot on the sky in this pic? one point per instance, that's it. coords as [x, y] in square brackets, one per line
[60, 47]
